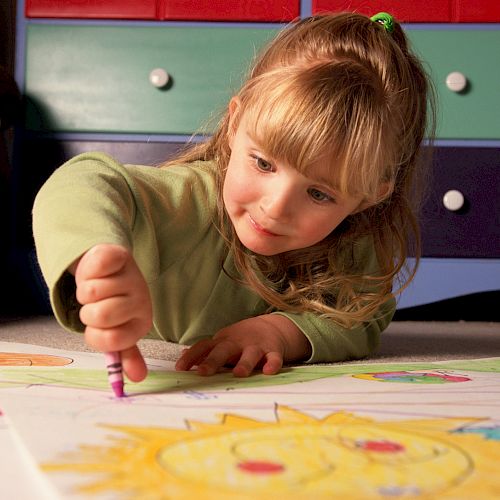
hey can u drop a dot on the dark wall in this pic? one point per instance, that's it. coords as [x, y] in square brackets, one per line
[7, 33]
[10, 107]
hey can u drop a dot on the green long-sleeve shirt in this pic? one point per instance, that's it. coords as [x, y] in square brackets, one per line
[165, 217]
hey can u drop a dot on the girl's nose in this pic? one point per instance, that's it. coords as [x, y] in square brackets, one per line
[277, 203]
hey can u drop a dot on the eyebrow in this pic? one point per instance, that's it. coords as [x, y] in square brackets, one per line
[323, 181]
[255, 144]
[319, 179]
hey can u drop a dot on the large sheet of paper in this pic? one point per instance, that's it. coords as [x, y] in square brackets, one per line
[350, 431]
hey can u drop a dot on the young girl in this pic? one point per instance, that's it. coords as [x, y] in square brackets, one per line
[278, 240]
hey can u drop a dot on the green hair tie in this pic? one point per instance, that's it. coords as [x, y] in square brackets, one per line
[386, 20]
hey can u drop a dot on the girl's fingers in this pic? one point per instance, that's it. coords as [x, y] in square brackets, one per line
[107, 313]
[94, 290]
[133, 364]
[218, 357]
[194, 355]
[250, 358]
[210, 356]
[118, 338]
[100, 261]
[273, 364]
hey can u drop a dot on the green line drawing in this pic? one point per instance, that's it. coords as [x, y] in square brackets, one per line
[172, 381]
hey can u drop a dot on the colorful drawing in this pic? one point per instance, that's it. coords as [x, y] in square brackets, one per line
[23, 359]
[162, 381]
[413, 377]
[324, 431]
[339, 456]
[487, 431]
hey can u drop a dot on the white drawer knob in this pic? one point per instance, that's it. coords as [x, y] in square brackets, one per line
[456, 81]
[453, 200]
[159, 78]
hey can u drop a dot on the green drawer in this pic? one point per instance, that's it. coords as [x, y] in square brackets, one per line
[96, 78]
[475, 112]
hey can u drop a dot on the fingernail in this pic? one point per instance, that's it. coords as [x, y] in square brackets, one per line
[206, 370]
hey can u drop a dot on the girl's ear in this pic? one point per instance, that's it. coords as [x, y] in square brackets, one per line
[234, 111]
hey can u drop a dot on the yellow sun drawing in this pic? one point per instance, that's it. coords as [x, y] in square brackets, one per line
[296, 456]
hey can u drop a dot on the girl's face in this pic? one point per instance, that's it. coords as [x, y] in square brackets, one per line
[272, 206]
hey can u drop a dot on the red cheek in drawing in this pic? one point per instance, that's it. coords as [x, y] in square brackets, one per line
[382, 446]
[260, 467]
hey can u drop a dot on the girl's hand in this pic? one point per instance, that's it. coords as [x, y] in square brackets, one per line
[267, 341]
[116, 305]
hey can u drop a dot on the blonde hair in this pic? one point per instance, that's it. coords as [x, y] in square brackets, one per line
[338, 89]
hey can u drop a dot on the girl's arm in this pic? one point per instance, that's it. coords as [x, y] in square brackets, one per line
[82, 219]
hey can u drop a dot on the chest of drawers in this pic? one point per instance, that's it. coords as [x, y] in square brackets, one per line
[137, 79]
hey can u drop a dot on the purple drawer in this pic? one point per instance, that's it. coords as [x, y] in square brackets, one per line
[474, 229]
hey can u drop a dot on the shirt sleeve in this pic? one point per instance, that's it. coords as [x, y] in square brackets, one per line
[157, 214]
[330, 341]
[85, 202]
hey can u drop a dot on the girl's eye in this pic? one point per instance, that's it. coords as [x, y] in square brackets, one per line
[318, 195]
[262, 164]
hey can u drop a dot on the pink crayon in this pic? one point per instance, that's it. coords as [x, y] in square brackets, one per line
[115, 372]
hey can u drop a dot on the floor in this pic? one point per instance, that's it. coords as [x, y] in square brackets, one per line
[402, 341]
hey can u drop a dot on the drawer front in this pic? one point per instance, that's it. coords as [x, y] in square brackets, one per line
[97, 78]
[203, 10]
[421, 11]
[105, 9]
[231, 10]
[407, 11]
[473, 113]
[480, 11]
[472, 230]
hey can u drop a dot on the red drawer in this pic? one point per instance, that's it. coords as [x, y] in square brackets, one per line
[480, 11]
[263, 10]
[419, 11]
[231, 10]
[195, 10]
[97, 9]
[406, 11]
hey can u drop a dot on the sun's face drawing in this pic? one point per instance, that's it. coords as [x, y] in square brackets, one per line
[296, 456]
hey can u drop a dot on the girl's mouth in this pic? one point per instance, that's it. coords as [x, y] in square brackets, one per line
[260, 229]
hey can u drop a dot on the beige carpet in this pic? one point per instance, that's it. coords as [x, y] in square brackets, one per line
[402, 341]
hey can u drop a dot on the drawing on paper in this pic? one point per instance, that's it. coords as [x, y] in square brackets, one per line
[342, 455]
[414, 377]
[367, 430]
[24, 359]
[163, 381]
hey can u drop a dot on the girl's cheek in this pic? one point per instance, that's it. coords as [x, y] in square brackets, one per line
[243, 189]
[317, 229]
[235, 191]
